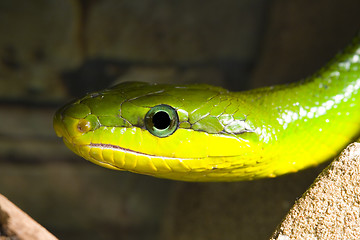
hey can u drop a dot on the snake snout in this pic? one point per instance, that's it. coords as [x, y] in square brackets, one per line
[57, 123]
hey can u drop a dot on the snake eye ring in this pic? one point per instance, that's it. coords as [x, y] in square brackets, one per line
[161, 120]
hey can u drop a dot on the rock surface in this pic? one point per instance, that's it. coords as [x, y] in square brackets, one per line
[330, 208]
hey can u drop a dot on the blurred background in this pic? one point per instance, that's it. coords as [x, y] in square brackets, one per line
[52, 51]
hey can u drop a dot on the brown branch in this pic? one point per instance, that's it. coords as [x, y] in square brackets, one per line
[18, 225]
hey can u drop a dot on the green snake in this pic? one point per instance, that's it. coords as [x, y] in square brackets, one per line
[205, 133]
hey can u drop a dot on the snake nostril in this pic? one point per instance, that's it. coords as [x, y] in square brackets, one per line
[84, 125]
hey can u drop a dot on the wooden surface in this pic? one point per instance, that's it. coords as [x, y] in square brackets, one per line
[18, 225]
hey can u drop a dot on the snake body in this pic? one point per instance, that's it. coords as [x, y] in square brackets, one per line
[206, 133]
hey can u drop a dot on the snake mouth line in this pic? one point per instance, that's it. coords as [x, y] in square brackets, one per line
[126, 150]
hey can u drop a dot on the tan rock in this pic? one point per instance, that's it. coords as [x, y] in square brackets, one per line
[330, 208]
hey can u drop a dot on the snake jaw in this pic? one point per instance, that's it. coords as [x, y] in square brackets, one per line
[136, 150]
[126, 150]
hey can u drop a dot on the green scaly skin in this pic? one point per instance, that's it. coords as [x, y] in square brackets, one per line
[222, 135]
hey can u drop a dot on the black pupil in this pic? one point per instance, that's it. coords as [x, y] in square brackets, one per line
[161, 120]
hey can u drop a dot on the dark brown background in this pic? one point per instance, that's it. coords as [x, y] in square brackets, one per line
[51, 51]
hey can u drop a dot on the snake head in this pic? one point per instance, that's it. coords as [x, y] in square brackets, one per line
[183, 132]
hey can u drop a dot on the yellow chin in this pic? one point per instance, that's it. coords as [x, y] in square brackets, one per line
[186, 155]
[197, 169]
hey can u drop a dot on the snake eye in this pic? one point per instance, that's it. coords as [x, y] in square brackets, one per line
[161, 120]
